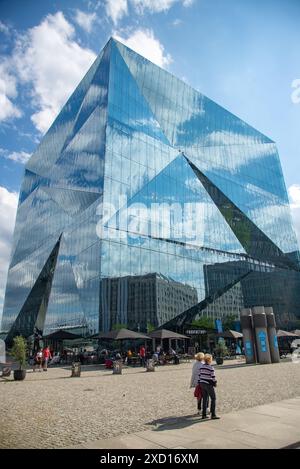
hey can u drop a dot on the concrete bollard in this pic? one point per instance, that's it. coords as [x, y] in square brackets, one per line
[76, 370]
[150, 366]
[261, 335]
[117, 368]
[248, 335]
[271, 329]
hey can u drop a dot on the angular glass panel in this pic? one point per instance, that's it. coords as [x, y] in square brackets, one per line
[126, 103]
[54, 140]
[167, 206]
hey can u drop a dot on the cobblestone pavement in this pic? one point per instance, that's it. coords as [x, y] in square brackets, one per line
[53, 410]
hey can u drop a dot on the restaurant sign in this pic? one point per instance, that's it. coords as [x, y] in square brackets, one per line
[196, 332]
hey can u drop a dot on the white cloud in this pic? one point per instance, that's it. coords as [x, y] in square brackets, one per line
[157, 6]
[49, 59]
[8, 91]
[85, 20]
[8, 207]
[145, 43]
[19, 156]
[188, 3]
[116, 9]
[154, 6]
[177, 22]
[294, 194]
[4, 28]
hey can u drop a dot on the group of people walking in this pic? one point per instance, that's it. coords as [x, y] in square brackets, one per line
[204, 381]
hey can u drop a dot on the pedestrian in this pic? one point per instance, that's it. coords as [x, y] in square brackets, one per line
[208, 382]
[142, 354]
[199, 361]
[46, 357]
[38, 360]
[174, 356]
[129, 357]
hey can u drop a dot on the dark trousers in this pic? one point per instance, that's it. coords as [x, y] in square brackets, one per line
[208, 391]
[200, 402]
[143, 361]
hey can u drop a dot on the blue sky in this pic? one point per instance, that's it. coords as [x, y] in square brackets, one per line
[244, 54]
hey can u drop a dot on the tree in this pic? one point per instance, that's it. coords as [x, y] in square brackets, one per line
[221, 350]
[150, 327]
[118, 326]
[229, 322]
[204, 323]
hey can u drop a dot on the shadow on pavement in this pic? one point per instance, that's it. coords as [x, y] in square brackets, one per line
[170, 423]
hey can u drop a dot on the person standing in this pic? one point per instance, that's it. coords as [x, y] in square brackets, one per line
[142, 354]
[38, 360]
[46, 357]
[199, 361]
[129, 357]
[208, 382]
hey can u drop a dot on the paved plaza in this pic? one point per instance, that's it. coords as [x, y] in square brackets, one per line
[53, 410]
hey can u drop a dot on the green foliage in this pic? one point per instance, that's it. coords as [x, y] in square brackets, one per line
[19, 350]
[118, 326]
[221, 350]
[229, 322]
[150, 327]
[204, 323]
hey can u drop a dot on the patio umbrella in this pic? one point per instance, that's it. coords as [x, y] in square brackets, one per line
[121, 334]
[230, 334]
[166, 334]
[281, 333]
[62, 335]
[162, 334]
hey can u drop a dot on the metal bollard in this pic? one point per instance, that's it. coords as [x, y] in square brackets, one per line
[76, 370]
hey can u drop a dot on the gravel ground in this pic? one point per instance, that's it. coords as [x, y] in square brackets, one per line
[52, 410]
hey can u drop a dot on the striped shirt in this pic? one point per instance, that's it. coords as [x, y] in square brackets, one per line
[207, 374]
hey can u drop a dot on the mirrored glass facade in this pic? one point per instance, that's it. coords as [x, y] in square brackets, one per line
[147, 202]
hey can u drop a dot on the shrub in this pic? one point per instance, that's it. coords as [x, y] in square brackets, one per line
[19, 350]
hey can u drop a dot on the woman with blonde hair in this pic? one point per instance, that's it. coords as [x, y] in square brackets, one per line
[199, 361]
[208, 382]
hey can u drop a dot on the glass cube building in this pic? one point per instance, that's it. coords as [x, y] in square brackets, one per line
[147, 195]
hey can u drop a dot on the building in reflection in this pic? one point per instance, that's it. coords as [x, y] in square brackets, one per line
[137, 301]
[266, 285]
[133, 135]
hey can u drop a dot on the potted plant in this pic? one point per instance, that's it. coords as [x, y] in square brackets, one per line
[221, 352]
[18, 351]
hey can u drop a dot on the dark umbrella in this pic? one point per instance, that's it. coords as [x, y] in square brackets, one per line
[166, 334]
[121, 334]
[281, 333]
[230, 334]
[62, 335]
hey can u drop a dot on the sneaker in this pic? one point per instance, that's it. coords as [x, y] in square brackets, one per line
[204, 417]
[215, 417]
